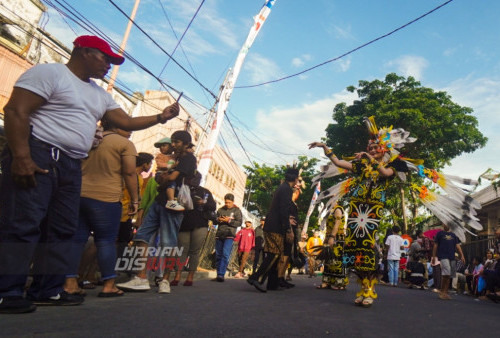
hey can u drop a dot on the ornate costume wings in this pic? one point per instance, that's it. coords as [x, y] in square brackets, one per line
[448, 201]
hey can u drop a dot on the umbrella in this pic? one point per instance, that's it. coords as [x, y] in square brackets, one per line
[432, 233]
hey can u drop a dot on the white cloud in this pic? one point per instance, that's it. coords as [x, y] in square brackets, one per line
[297, 62]
[480, 94]
[409, 65]
[291, 129]
[261, 69]
[450, 51]
[207, 20]
[141, 80]
[343, 65]
[342, 32]
[301, 60]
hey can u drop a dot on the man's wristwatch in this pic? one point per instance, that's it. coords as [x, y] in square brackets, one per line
[159, 119]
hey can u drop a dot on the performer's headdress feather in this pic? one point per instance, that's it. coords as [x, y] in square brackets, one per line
[389, 139]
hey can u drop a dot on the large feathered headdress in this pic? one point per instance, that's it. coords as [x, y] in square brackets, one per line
[389, 139]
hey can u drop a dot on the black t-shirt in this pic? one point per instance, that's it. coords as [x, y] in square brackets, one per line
[278, 217]
[447, 242]
[186, 166]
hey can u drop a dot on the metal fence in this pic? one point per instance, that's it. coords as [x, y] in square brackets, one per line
[478, 248]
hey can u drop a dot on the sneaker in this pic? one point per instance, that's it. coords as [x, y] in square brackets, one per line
[135, 284]
[61, 299]
[174, 205]
[16, 304]
[164, 287]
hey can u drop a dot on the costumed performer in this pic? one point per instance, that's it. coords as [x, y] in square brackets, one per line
[371, 174]
[334, 274]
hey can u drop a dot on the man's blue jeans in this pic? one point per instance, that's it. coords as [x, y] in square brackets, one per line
[393, 271]
[167, 222]
[223, 248]
[36, 224]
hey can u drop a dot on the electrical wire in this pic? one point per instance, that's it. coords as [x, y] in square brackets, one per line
[182, 49]
[182, 36]
[122, 86]
[347, 53]
[264, 145]
[162, 49]
[86, 25]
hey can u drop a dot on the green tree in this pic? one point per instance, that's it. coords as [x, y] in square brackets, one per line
[263, 180]
[444, 129]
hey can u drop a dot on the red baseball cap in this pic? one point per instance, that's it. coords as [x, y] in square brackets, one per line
[91, 41]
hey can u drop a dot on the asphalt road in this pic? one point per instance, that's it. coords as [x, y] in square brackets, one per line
[236, 309]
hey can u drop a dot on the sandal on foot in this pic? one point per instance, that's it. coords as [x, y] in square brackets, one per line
[117, 293]
[327, 286]
[444, 296]
[174, 283]
[87, 285]
[188, 283]
[359, 300]
[367, 302]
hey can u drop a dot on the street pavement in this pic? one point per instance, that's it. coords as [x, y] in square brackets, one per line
[236, 309]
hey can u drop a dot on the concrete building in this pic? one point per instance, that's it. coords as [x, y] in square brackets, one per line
[24, 44]
[489, 214]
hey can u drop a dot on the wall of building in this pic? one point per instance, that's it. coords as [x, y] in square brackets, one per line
[23, 45]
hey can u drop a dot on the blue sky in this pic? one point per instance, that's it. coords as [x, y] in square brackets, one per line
[455, 49]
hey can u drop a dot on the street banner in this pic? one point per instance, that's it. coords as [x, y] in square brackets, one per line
[227, 89]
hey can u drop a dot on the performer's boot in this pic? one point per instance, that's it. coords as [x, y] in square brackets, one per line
[367, 293]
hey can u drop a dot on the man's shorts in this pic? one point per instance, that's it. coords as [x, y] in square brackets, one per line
[448, 268]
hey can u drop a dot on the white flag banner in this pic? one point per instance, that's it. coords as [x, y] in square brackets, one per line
[227, 89]
[311, 206]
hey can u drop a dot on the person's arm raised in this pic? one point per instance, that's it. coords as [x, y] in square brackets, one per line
[120, 119]
[329, 153]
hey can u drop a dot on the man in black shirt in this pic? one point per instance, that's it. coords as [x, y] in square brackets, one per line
[158, 217]
[259, 243]
[277, 225]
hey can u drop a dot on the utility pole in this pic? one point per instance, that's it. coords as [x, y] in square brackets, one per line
[114, 71]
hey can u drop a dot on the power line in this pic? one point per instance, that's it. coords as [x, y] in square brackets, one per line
[264, 144]
[86, 25]
[122, 86]
[178, 44]
[162, 49]
[349, 52]
[182, 36]
[237, 138]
